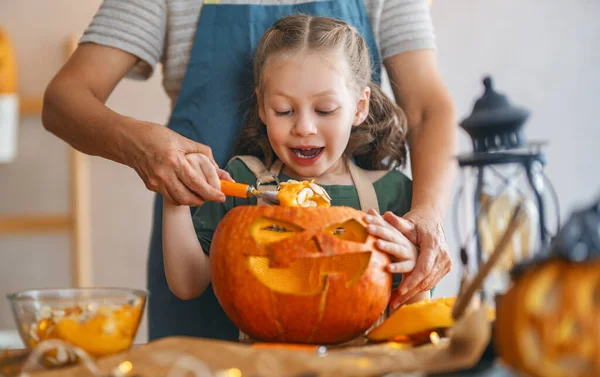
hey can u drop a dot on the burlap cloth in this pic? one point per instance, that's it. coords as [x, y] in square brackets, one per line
[170, 357]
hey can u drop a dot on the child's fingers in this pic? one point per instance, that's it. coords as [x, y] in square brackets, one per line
[373, 217]
[372, 212]
[223, 174]
[210, 172]
[398, 251]
[206, 181]
[406, 227]
[382, 232]
[403, 267]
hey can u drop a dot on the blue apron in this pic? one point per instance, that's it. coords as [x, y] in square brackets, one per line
[215, 94]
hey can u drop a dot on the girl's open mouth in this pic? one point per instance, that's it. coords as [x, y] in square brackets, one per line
[306, 155]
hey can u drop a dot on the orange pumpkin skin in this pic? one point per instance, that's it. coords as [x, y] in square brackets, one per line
[308, 285]
[8, 64]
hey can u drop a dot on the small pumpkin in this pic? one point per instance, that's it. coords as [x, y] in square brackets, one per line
[8, 64]
[549, 321]
[299, 275]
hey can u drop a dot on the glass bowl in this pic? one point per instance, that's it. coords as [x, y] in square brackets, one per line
[100, 321]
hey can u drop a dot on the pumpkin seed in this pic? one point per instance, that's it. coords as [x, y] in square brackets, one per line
[317, 189]
[304, 194]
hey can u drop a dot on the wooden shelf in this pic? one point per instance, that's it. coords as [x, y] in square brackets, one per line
[77, 220]
[32, 224]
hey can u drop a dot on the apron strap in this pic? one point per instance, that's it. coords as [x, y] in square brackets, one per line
[364, 187]
[258, 168]
[368, 199]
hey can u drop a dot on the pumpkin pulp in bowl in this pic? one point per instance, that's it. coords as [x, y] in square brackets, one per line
[100, 321]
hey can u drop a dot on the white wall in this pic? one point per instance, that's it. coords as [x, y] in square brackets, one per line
[37, 180]
[544, 55]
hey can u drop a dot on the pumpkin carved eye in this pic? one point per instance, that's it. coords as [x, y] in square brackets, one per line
[266, 231]
[350, 230]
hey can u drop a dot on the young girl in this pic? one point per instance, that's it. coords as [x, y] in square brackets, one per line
[319, 114]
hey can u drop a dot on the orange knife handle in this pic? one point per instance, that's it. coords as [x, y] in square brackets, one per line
[239, 190]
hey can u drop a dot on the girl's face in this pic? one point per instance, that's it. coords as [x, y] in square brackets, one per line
[309, 107]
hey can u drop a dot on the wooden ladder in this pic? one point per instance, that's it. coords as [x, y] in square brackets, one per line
[77, 219]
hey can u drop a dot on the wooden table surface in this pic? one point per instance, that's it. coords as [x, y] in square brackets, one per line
[12, 360]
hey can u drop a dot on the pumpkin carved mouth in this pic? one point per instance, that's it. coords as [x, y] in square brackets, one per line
[307, 276]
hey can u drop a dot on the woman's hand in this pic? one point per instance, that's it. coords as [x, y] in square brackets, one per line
[74, 110]
[392, 242]
[423, 227]
[162, 159]
[201, 171]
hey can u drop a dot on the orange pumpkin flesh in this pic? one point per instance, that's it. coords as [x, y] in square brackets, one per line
[302, 194]
[421, 316]
[299, 275]
[417, 320]
[101, 331]
[549, 321]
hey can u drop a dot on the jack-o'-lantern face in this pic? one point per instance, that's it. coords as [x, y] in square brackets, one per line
[307, 270]
[549, 321]
[299, 274]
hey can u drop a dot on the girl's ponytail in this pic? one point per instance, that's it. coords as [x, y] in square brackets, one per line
[380, 141]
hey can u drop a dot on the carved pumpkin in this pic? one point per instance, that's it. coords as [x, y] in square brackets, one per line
[301, 275]
[8, 65]
[548, 322]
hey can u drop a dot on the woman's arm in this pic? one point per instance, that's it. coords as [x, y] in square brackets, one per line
[75, 111]
[433, 142]
[187, 267]
[432, 129]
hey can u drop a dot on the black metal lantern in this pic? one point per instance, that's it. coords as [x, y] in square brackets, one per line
[503, 170]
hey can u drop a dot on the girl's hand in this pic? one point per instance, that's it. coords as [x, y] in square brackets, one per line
[423, 227]
[206, 169]
[392, 242]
